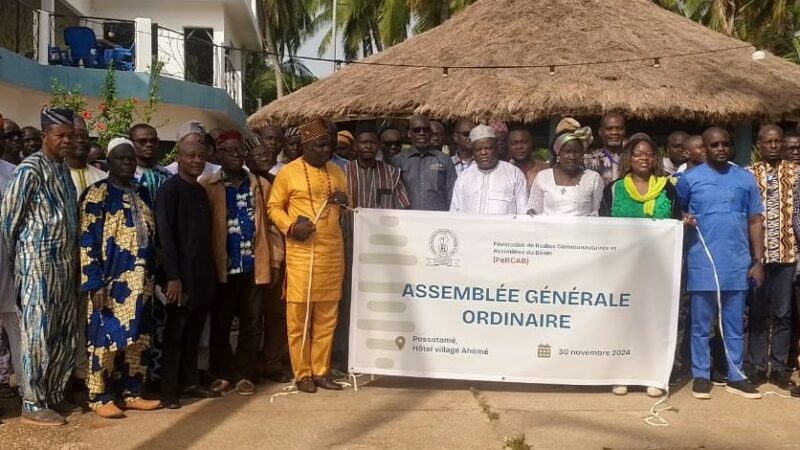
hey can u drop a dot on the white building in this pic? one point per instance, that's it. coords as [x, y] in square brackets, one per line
[201, 42]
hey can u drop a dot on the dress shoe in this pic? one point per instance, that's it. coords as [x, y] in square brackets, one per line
[781, 379]
[109, 411]
[325, 383]
[199, 392]
[140, 404]
[278, 376]
[307, 385]
[170, 403]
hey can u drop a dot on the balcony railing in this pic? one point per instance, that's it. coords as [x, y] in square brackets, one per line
[126, 44]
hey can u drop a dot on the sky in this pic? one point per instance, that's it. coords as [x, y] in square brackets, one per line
[320, 68]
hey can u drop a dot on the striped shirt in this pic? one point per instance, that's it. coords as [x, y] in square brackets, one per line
[377, 187]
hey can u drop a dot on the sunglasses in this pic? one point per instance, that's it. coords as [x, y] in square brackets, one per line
[145, 141]
[393, 143]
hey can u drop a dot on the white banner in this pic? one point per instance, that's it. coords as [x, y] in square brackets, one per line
[588, 301]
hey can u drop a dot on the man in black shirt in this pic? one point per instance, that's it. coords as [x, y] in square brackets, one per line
[183, 219]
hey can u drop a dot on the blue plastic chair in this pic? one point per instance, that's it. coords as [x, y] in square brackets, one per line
[82, 44]
[123, 59]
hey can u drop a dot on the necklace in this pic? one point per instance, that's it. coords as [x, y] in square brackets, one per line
[308, 184]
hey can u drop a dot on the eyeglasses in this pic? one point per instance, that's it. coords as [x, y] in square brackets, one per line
[145, 141]
[420, 130]
[234, 151]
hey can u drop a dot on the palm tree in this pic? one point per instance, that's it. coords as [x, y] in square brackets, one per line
[768, 24]
[285, 22]
[262, 84]
[372, 25]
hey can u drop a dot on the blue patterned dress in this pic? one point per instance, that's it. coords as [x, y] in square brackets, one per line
[117, 251]
[38, 218]
[153, 179]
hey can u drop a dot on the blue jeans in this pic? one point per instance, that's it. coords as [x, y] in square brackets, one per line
[704, 311]
[772, 303]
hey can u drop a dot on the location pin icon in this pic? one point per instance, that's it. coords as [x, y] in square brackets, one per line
[400, 342]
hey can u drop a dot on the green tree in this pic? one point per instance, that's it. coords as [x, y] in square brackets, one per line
[372, 25]
[773, 25]
[262, 84]
[287, 24]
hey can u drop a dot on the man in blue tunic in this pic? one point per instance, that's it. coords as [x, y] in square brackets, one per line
[722, 202]
[117, 248]
[40, 228]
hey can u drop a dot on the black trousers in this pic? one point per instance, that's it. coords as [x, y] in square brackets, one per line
[182, 332]
[239, 297]
[275, 347]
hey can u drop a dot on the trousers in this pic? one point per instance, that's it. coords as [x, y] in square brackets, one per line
[704, 311]
[771, 305]
[182, 330]
[239, 297]
[313, 358]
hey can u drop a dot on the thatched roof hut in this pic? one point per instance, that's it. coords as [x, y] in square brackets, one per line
[723, 84]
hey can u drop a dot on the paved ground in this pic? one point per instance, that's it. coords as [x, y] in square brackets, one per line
[402, 413]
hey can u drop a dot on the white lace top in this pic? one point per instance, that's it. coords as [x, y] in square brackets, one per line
[549, 199]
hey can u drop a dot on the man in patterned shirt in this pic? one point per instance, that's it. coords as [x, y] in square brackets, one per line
[772, 303]
[606, 160]
[241, 245]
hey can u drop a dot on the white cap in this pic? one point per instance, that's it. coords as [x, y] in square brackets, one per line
[482, 132]
[116, 142]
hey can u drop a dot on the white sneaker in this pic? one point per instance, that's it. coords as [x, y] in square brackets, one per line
[654, 392]
[619, 389]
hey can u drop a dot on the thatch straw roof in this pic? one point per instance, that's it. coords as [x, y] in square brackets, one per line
[721, 86]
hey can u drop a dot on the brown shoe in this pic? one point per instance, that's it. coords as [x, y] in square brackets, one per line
[140, 404]
[109, 411]
[245, 387]
[307, 385]
[325, 383]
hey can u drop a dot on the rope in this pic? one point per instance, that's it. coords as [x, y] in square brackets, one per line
[655, 419]
[719, 303]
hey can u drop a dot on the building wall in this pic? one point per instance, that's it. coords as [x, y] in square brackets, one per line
[173, 15]
[25, 87]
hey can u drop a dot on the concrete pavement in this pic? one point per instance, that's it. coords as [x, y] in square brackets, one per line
[405, 413]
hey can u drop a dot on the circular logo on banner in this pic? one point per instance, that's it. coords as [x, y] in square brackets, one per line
[443, 243]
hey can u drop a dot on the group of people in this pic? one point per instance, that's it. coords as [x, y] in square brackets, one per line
[112, 276]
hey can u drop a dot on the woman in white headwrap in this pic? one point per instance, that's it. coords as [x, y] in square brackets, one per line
[567, 189]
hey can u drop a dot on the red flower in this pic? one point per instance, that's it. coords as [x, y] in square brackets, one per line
[101, 126]
[86, 115]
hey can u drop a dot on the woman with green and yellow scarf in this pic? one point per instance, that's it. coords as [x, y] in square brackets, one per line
[642, 192]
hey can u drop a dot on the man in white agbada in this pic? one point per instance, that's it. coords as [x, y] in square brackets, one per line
[489, 186]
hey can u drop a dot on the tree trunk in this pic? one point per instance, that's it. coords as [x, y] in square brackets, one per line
[273, 56]
[444, 10]
[376, 35]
